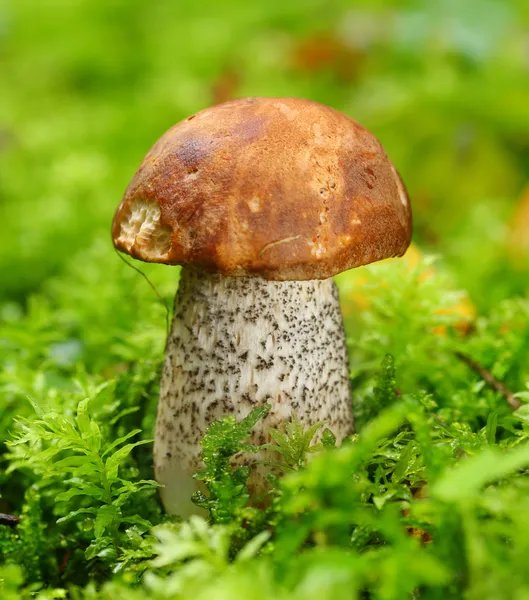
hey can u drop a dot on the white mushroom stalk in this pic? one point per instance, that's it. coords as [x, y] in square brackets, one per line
[239, 342]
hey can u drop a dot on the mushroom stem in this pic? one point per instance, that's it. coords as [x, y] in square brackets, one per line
[238, 342]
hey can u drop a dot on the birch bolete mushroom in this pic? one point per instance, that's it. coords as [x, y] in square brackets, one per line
[262, 201]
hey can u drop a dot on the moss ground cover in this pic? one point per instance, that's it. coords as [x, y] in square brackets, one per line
[429, 499]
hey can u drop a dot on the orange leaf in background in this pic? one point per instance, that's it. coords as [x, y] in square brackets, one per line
[413, 258]
[465, 309]
[325, 52]
[225, 86]
[518, 237]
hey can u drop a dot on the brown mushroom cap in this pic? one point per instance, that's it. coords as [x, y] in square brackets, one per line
[279, 188]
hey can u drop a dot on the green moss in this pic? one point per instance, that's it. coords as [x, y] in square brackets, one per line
[429, 498]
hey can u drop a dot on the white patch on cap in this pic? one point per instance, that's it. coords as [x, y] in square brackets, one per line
[254, 204]
[400, 188]
[289, 113]
[317, 248]
[141, 230]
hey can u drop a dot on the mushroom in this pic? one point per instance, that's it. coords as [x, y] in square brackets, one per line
[262, 201]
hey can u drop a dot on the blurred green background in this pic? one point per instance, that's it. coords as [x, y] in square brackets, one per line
[88, 85]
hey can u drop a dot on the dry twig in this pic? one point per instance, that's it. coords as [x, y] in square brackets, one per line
[489, 378]
[8, 520]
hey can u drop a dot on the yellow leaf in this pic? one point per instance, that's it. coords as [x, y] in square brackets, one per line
[354, 296]
[518, 236]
